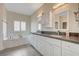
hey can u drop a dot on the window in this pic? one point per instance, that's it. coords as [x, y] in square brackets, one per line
[39, 22]
[4, 30]
[39, 27]
[19, 26]
[16, 25]
[23, 26]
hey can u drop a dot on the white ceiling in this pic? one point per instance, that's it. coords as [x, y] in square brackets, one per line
[23, 8]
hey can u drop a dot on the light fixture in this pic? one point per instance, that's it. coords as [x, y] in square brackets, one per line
[77, 14]
[40, 14]
[58, 5]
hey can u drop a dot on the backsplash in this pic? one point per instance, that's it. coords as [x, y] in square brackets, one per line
[60, 33]
[52, 32]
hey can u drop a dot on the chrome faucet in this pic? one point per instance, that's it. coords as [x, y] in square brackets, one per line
[58, 32]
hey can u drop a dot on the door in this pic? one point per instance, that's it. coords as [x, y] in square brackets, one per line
[1, 26]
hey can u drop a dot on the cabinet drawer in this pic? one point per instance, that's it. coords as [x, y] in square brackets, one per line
[57, 51]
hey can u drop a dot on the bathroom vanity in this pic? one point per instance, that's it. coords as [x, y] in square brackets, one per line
[54, 45]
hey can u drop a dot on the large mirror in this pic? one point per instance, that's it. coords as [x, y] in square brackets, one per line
[63, 20]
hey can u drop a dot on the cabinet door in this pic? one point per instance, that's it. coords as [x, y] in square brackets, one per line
[48, 49]
[70, 49]
[56, 46]
[30, 37]
[38, 42]
[32, 40]
[57, 51]
[66, 52]
[43, 46]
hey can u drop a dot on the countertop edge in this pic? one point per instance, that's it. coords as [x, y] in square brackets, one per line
[63, 39]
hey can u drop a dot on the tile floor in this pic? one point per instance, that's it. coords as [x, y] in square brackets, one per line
[24, 50]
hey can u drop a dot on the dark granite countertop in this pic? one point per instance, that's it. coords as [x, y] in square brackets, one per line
[72, 39]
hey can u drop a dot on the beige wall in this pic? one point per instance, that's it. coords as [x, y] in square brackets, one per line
[70, 8]
[15, 40]
[2, 16]
[11, 17]
[34, 20]
[72, 25]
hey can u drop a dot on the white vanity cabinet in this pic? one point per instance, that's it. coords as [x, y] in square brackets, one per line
[70, 49]
[50, 46]
[43, 46]
[56, 46]
[46, 46]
